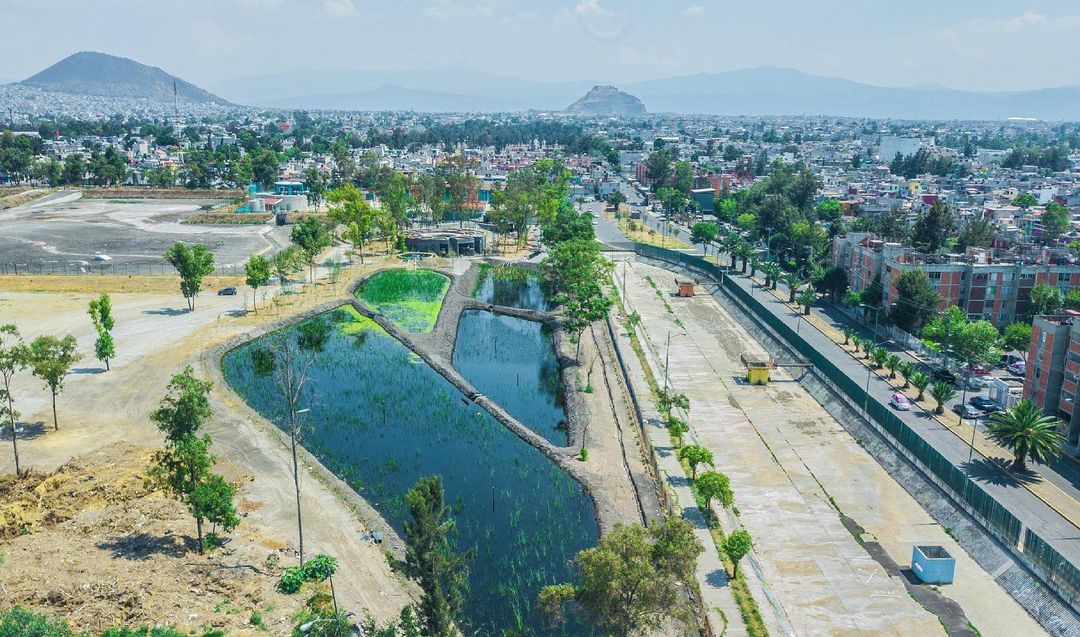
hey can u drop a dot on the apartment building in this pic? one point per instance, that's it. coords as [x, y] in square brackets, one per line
[991, 284]
[1053, 366]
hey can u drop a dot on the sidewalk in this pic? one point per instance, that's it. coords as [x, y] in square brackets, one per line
[717, 598]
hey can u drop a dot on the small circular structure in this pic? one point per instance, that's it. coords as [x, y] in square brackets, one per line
[446, 241]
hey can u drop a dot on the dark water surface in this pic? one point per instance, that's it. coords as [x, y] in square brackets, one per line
[381, 418]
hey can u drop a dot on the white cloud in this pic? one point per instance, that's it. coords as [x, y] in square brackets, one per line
[591, 8]
[694, 9]
[439, 10]
[339, 8]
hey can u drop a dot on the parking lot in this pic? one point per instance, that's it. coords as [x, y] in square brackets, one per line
[65, 233]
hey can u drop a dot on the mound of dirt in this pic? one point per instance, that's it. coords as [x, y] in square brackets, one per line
[89, 543]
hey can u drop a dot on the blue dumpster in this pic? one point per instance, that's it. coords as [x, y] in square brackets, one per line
[933, 564]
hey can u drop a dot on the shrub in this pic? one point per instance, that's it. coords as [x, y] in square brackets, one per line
[292, 579]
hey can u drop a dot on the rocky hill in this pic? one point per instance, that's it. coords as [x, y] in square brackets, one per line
[98, 74]
[607, 100]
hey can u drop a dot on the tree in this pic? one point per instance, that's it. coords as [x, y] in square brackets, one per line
[1017, 336]
[892, 363]
[577, 274]
[978, 233]
[658, 168]
[806, 297]
[704, 232]
[932, 228]
[1025, 200]
[312, 238]
[772, 272]
[1045, 299]
[74, 170]
[630, 581]
[879, 355]
[713, 485]
[1055, 222]
[50, 358]
[917, 301]
[349, 208]
[1028, 433]
[193, 264]
[829, 211]
[695, 455]
[919, 380]
[736, 546]
[942, 392]
[286, 262]
[834, 283]
[684, 177]
[182, 468]
[265, 164]
[13, 357]
[316, 187]
[257, 271]
[906, 369]
[616, 198]
[212, 500]
[743, 251]
[792, 281]
[430, 557]
[394, 201]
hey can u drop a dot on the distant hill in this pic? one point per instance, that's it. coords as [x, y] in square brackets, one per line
[757, 91]
[98, 74]
[607, 100]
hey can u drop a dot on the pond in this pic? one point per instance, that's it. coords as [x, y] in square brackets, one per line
[381, 419]
[512, 361]
[511, 287]
[409, 298]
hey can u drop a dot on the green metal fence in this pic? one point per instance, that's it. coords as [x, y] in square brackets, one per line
[998, 519]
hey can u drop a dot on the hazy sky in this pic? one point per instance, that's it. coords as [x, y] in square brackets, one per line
[971, 44]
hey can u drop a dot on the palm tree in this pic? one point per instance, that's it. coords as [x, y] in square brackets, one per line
[730, 245]
[892, 362]
[792, 280]
[806, 298]
[771, 270]
[1026, 432]
[920, 380]
[906, 369]
[879, 355]
[942, 392]
[848, 334]
[755, 263]
[744, 251]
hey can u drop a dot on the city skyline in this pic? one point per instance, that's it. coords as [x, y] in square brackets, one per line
[598, 40]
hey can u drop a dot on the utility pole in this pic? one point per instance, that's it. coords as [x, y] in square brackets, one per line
[667, 360]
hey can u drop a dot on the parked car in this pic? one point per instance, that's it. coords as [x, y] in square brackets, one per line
[976, 370]
[975, 383]
[1019, 368]
[229, 291]
[966, 411]
[98, 256]
[985, 403]
[944, 375]
[900, 402]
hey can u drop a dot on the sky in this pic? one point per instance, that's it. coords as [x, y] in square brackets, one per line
[981, 45]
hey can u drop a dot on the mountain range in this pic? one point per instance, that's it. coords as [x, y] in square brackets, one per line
[756, 91]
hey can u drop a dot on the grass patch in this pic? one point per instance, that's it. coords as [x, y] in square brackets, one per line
[350, 321]
[410, 298]
[639, 233]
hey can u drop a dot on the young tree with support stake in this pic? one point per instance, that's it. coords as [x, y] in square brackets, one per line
[102, 318]
[50, 360]
[258, 275]
[13, 357]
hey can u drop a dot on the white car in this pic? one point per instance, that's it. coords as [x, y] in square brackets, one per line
[101, 257]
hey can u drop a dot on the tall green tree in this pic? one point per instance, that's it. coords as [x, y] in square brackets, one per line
[1017, 336]
[629, 582]
[312, 238]
[316, 187]
[14, 355]
[694, 455]
[713, 485]
[1045, 299]
[431, 559]
[1055, 222]
[917, 301]
[932, 228]
[257, 272]
[193, 264]
[50, 360]
[101, 316]
[350, 209]
[736, 546]
[942, 392]
[1028, 433]
[704, 232]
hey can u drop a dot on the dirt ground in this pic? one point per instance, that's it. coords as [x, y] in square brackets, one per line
[104, 422]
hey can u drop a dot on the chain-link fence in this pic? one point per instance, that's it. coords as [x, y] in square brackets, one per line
[104, 268]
